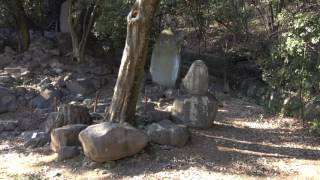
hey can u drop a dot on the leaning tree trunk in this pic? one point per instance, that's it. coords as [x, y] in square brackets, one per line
[126, 91]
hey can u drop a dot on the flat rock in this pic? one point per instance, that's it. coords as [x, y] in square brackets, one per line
[66, 136]
[8, 125]
[81, 86]
[68, 152]
[167, 133]
[111, 141]
[7, 100]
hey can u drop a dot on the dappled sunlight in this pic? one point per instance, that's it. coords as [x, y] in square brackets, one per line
[19, 164]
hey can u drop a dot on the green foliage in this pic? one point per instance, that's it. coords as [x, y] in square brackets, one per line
[34, 10]
[111, 24]
[5, 19]
[294, 66]
[315, 126]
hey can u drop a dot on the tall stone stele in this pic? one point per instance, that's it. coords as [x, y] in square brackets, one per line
[64, 14]
[165, 60]
[196, 109]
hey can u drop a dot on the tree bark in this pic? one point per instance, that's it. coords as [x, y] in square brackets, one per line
[79, 38]
[21, 22]
[131, 72]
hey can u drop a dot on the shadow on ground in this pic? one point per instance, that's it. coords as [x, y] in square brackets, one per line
[225, 148]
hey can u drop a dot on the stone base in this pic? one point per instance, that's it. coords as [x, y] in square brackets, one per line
[195, 111]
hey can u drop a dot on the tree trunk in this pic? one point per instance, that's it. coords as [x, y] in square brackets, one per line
[21, 22]
[131, 72]
[79, 40]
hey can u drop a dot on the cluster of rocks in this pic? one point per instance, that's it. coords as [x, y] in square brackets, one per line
[38, 80]
[112, 141]
[197, 108]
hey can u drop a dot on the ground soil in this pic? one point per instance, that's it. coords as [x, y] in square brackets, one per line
[245, 143]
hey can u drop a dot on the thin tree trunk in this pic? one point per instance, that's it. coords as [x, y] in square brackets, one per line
[79, 41]
[126, 91]
[21, 21]
[74, 35]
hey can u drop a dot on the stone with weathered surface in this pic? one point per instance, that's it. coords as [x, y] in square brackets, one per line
[9, 50]
[66, 136]
[39, 102]
[167, 133]
[8, 125]
[197, 79]
[81, 86]
[165, 61]
[7, 100]
[111, 141]
[7, 79]
[195, 111]
[51, 93]
[68, 114]
[68, 152]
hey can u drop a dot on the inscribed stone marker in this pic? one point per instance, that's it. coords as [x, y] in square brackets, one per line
[165, 61]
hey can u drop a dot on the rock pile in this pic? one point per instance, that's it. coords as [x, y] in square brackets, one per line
[196, 109]
[37, 81]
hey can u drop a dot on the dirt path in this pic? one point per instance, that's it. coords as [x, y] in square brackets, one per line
[244, 144]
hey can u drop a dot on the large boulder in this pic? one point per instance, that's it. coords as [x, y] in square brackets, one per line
[195, 111]
[7, 100]
[111, 141]
[197, 79]
[167, 133]
[66, 136]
